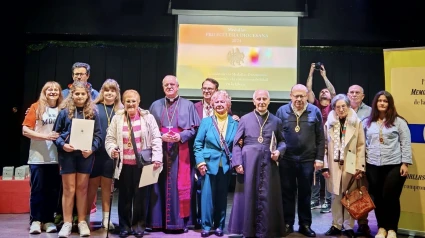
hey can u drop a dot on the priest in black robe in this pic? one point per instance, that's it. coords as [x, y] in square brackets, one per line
[258, 146]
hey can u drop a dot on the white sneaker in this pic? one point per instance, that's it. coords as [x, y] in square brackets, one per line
[382, 233]
[66, 230]
[391, 234]
[105, 224]
[83, 228]
[50, 227]
[35, 227]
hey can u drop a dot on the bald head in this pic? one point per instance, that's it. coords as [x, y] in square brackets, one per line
[299, 87]
[356, 95]
[299, 96]
[356, 87]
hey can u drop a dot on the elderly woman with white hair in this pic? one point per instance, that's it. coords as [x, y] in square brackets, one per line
[213, 145]
[344, 138]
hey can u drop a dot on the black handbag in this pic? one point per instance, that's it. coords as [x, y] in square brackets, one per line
[145, 156]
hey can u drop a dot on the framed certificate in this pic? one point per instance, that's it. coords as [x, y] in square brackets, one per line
[81, 137]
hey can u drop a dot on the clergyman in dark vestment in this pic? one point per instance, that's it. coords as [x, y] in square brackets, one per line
[170, 200]
[257, 204]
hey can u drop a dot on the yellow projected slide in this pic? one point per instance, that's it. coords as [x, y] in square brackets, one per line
[241, 58]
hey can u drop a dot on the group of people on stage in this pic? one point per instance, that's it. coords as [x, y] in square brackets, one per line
[199, 146]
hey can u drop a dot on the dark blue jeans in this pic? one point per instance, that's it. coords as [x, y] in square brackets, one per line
[296, 179]
[45, 183]
[315, 189]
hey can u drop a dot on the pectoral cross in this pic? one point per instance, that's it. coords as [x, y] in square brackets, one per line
[169, 128]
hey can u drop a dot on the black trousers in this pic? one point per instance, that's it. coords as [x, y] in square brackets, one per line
[132, 200]
[385, 185]
[45, 184]
[296, 179]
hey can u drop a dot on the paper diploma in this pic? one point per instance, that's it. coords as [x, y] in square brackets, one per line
[81, 137]
[149, 176]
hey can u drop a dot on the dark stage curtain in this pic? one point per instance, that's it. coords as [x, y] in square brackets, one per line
[142, 69]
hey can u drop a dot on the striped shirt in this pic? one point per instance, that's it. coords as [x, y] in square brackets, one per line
[128, 152]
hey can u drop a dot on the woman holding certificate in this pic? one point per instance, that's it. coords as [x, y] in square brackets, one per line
[212, 147]
[108, 102]
[76, 159]
[345, 146]
[132, 129]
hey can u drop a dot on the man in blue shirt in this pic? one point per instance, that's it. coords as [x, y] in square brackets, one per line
[305, 149]
[81, 72]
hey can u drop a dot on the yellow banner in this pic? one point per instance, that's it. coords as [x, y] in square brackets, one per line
[405, 79]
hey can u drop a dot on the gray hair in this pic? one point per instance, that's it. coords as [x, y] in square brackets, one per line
[255, 92]
[361, 88]
[168, 76]
[340, 97]
[81, 65]
[224, 94]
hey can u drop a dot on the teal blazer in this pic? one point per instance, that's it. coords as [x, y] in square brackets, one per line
[207, 145]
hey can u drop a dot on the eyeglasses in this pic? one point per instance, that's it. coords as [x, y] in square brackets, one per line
[208, 89]
[79, 74]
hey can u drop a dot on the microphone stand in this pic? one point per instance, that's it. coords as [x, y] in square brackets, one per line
[112, 193]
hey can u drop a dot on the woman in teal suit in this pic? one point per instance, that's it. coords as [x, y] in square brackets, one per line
[212, 147]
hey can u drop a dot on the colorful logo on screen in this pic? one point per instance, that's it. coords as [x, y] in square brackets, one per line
[254, 55]
[235, 57]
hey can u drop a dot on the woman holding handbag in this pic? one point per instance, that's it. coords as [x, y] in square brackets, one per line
[212, 147]
[132, 131]
[389, 153]
[345, 144]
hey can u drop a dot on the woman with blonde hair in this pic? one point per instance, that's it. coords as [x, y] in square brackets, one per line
[43, 157]
[213, 145]
[108, 103]
[132, 130]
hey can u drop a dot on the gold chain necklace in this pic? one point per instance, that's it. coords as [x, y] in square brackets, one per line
[110, 115]
[172, 115]
[381, 124]
[297, 128]
[260, 138]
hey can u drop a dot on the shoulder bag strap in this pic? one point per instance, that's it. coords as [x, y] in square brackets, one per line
[133, 142]
[223, 142]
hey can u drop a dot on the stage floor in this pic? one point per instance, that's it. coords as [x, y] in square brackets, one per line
[16, 225]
